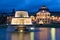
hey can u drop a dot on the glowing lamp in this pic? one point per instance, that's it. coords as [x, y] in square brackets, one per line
[32, 28]
[21, 30]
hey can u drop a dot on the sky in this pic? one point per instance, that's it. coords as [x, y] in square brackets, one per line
[29, 5]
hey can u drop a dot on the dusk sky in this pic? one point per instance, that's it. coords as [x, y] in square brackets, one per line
[29, 5]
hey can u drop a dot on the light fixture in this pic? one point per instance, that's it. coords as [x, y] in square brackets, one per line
[32, 28]
[21, 30]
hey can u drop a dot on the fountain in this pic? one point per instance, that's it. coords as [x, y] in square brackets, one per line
[20, 21]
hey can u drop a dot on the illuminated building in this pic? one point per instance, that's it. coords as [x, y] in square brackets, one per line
[55, 19]
[33, 19]
[43, 16]
[21, 18]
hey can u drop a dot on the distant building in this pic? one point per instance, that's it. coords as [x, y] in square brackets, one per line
[33, 19]
[55, 19]
[43, 16]
[9, 18]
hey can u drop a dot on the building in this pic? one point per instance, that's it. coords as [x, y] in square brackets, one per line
[43, 15]
[33, 19]
[55, 19]
[21, 18]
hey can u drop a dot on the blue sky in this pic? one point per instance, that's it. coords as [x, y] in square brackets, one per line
[30, 5]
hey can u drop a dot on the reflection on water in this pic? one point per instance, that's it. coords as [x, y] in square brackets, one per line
[53, 34]
[44, 34]
[20, 36]
[31, 35]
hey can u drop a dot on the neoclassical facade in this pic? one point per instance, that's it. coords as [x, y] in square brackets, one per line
[43, 16]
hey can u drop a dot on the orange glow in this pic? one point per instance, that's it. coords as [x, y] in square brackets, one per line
[43, 17]
[32, 17]
[23, 21]
[52, 16]
[43, 35]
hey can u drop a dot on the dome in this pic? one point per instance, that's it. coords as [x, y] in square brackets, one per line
[43, 8]
[21, 14]
[43, 11]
